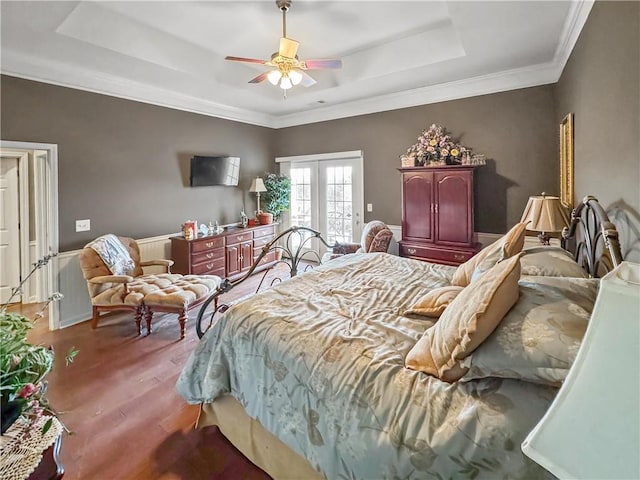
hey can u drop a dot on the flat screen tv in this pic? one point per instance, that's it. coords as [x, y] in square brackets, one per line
[206, 171]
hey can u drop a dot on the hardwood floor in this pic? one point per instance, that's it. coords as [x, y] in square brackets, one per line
[119, 399]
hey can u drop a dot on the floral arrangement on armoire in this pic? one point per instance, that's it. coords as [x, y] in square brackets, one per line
[435, 147]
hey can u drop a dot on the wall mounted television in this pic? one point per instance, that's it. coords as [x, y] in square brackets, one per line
[207, 171]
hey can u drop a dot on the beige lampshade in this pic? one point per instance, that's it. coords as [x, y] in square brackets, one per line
[544, 213]
[257, 185]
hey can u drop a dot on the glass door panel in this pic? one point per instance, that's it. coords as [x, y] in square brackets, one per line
[326, 195]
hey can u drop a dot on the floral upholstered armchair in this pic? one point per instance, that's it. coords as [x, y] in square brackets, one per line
[376, 237]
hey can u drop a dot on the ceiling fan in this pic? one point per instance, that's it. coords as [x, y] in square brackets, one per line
[286, 68]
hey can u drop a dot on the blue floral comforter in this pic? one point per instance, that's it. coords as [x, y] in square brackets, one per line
[319, 362]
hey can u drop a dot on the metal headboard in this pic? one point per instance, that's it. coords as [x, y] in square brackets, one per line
[592, 238]
[291, 244]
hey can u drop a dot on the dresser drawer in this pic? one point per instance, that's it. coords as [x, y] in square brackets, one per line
[207, 256]
[239, 237]
[264, 232]
[261, 241]
[207, 244]
[268, 258]
[208, 266]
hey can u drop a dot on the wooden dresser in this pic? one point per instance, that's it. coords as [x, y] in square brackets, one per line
[228, 254]
[437, 214]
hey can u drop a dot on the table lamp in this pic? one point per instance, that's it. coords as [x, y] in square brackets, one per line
[592, 428]
[257, 186]
[545, 214]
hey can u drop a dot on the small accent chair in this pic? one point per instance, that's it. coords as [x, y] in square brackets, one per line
[376, 237]
[110, 292]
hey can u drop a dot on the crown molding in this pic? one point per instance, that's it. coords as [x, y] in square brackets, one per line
[55, 73]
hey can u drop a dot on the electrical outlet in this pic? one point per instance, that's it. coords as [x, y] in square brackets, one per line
[83, 225]
[369, 207]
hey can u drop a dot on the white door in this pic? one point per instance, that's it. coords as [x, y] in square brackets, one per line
[326, 195]
[340, 201]
[9, 234]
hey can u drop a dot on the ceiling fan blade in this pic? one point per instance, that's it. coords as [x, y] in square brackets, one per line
[319, 64]
[307, 80]
[288, 48]
[260, 78]
[247, 60]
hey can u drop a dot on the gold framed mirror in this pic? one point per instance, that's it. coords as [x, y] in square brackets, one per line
[566, 161]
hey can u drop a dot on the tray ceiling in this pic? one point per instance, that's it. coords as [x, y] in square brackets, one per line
[394, 54]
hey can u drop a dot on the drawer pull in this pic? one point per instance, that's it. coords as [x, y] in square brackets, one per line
[209, 244]
[412, 251]
[240, 237]
[209, 255]
[210, 266]
[458, 256]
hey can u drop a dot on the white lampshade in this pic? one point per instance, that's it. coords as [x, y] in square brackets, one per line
[592, 429]
[295, 76]
[257, 185]
[274, 77]
[285, 83]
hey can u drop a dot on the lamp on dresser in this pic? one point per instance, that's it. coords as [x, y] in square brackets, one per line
[592, 428]
[545, 214]
[257, 186]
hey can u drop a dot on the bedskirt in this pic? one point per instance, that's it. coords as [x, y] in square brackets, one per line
[261, 447]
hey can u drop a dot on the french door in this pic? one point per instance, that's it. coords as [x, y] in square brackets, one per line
[326, 195]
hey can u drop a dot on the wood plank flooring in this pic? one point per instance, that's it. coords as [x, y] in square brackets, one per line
[120, 401]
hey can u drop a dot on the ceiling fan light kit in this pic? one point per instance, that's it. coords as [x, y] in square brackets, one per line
[287, 69]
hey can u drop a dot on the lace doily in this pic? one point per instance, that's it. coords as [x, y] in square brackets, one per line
[22, 446]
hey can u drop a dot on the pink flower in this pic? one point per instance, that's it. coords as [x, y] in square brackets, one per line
[26, 391]
[444, 152]
[430, 148]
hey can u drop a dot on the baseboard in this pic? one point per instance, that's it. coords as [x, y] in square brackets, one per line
[487, 238]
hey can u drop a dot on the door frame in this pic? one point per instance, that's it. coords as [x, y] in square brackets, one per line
[46, 216]
[22, 158]
[356, 155]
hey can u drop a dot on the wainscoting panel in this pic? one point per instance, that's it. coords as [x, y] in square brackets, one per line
[75, 307]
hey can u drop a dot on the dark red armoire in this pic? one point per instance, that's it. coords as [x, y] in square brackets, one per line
[437, 214]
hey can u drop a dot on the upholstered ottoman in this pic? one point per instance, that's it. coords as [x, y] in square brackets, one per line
[180, 295]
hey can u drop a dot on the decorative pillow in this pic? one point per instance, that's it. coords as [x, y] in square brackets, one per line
[489, 262]
[550, 262]
[433, 303]
[512, 243]
[466, 322]
[539, 338]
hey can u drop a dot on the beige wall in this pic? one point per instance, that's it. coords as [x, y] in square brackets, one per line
[125, 165]
[515, 130]
[601, 86]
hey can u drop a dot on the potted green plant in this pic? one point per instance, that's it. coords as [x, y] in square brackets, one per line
[277, 198]
[23, 365]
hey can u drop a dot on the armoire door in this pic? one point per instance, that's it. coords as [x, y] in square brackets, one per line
[417, 206]
[454, 204]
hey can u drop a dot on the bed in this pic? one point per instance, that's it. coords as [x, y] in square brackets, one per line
[308, 378]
